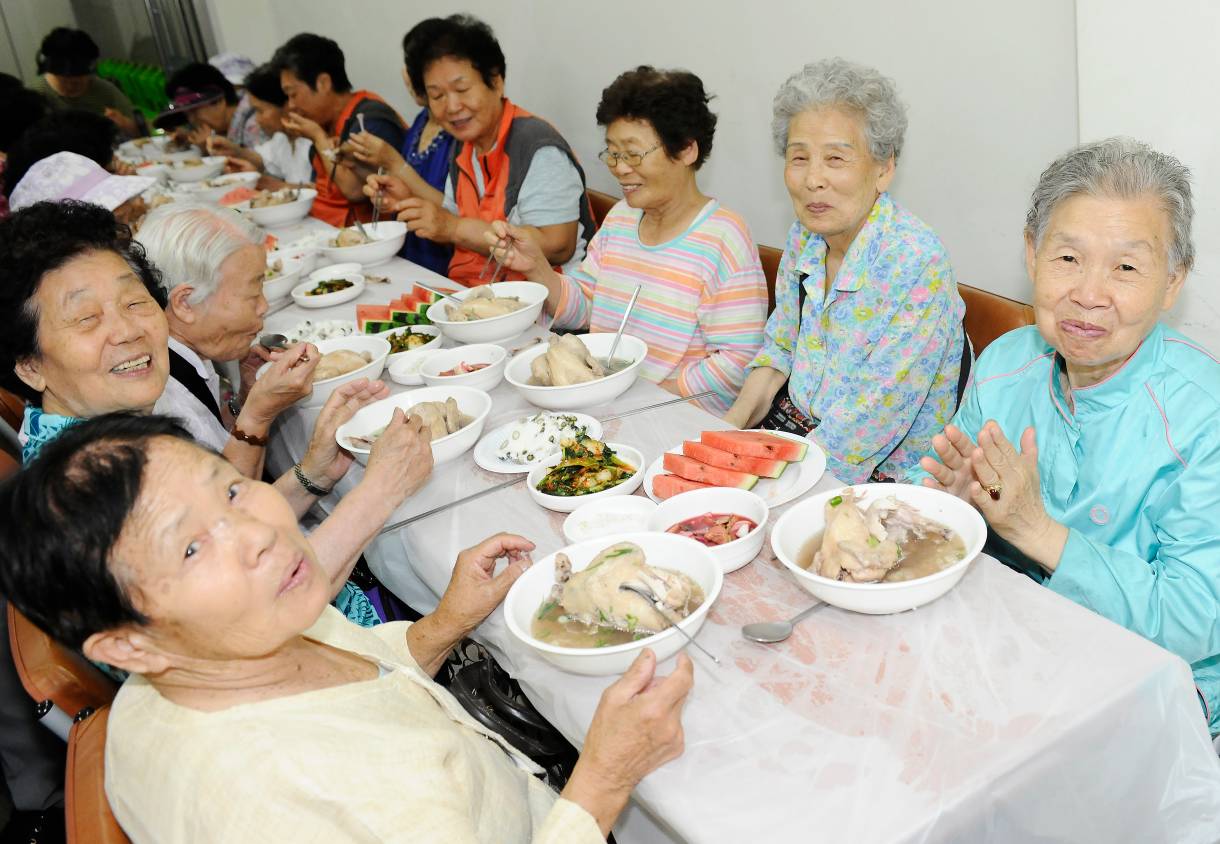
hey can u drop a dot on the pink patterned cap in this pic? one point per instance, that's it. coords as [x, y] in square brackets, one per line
[66, 175]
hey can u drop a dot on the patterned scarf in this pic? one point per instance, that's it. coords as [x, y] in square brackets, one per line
[38, 428]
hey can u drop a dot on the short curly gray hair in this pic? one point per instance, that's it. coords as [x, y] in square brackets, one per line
[838, 82]
[1123, 168]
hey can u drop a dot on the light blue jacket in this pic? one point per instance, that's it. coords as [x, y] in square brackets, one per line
[1133, 470]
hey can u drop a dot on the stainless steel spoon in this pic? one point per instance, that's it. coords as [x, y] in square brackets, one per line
[273, 341]
[619, 336]
[656, 602]
[769, 632]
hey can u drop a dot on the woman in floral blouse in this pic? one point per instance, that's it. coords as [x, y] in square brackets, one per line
[865, 345]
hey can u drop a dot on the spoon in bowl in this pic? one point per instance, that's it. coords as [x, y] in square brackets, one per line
[770, 632]
[609, 364]
[656, 602]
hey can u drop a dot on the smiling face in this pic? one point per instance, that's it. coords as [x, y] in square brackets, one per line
[831, 176]
[224, 325]
[1102, 279]
[658, 178]
[222, 574]
[101, 339]
[465, 105]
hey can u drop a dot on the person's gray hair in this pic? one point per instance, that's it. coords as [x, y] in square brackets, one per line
[188, 241]
[1122, 168]
[838, 82]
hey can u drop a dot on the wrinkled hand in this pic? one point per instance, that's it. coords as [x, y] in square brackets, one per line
[286, 381]
[426, 219]
[220, 145]
[474, 589]
[516, 249]
[954, 472]
[374, 151]
[239, 165]
[401, 459]
[637, 727]
[325, 462]
[248, 369]
[393, 191]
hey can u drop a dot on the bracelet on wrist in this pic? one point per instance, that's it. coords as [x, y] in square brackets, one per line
[249, 439]
[309, 486]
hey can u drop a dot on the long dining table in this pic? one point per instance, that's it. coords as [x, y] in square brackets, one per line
[1000, 712]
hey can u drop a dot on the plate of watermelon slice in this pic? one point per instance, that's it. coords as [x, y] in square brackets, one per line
[777, 466]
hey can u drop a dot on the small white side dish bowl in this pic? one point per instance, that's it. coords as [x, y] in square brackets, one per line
[596, 519]
[568, 503]
[378, 347]
[475, 403]
[280, 288]
[732, 555]
[326, 300]
[492, 329]
[664, 550]
[577, 396]
[496, 357]
[419, 352]
[212, 165]
[281, 215]
[388, 237]
[806, 519]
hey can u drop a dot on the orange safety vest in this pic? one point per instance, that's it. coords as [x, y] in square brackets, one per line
[331, 206]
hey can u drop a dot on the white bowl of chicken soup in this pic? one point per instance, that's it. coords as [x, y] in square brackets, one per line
[455, 416]
[888, 547]
[378, 243]
[489, 313]
[547, 375]
[281, 207]
[344, 359]
[567, 629]
[731, 522]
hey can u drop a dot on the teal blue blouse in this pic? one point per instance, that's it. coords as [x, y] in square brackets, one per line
[1132, 467]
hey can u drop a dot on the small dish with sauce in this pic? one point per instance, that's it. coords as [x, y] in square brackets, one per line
[697, 503]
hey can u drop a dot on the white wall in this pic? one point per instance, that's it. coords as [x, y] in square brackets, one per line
[987, 112]
[28, 21]
[1152, 76]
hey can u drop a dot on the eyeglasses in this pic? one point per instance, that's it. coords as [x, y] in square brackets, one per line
[632, 159]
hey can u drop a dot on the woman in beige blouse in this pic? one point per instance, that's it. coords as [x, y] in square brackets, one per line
[255, 712]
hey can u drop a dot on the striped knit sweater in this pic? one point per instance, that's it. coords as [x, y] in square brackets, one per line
[702, 307]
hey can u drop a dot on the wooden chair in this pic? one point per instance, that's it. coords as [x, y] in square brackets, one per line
[12, 409]
[989, 315]
[601, 204]
[769, 256]
[87, 812]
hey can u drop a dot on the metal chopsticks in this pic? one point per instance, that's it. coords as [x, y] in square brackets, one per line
[443, 507]
[648, 407]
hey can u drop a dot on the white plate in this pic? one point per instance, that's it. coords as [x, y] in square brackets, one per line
[796, 480]
[485, 451]
[326, 300]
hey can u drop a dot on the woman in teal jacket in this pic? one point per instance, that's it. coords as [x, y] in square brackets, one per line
[1111, 496]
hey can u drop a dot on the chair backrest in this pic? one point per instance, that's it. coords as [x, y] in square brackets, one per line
[49, 671]
[601, 204]
[769, 256]
[989, 315]
[12, 408]
[87, 812]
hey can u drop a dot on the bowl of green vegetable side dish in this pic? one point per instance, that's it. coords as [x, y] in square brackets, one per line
[585, 470]
[330, 286]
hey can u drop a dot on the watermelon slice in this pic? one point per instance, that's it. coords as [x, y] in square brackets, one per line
[760, 466]
[238, 195]
[755, 444]
[667, 486]
[371, 313]
[693, 470]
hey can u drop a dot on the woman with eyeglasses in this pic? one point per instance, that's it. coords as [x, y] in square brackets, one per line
[703, 297]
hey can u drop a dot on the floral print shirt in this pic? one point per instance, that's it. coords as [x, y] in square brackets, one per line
[875, 359]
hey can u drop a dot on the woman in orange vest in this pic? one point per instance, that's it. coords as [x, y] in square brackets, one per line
[509, 165]
[314, 78]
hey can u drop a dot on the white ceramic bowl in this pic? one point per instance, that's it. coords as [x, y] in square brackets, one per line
[326, 300]
[589, 394]
[160, 172]
[472, 402]
[224, 184]
[568, 503]
[388, 237]
[807, 518]
[281, 215]
[212, 165]
[378, 347]
[493, 329]
[419, 352]
[664, 550]
[732, 555]
[484, 379]
[596, 519]
[280, 288]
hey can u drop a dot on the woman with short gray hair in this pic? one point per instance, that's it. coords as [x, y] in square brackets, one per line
[1108, 498]
[864, 348]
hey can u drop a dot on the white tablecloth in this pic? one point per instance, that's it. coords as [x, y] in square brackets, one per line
[1001, 712]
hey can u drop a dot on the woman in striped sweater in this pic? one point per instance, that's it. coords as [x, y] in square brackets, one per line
[703, 301]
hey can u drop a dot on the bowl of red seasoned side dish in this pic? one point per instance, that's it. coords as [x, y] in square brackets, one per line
[730, 522]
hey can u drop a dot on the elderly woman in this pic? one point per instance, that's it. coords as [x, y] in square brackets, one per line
[254, 712]
[703, 298]
[509, 165]
[201, 95]
[88, 335]
[283, 157]
[1110, 497]
[66, 175]
[865, 344]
